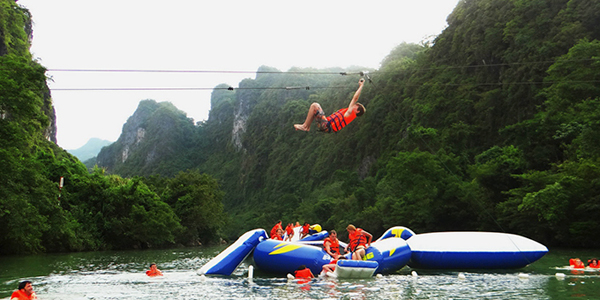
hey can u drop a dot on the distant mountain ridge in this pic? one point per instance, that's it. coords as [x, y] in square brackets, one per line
[90, 149]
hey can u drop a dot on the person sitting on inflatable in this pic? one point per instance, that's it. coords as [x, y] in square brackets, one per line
[328, 268]
[275, 228]
[576, 263]
[305, 230]
[593, 263]
[303, 272]
[278, 235]
[360, 240]
[154, 271]
[332, 244]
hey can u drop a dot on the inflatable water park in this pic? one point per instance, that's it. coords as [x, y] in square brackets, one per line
[396, 248]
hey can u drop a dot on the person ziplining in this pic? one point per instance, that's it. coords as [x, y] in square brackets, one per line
[336, 121]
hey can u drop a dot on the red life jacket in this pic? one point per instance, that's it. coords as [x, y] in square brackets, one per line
[289, 229]
[20, 295]
[577, 264]
[153, 273]
[304, 273]
[276, 237]
[337, 120]
[274, 229]
[305, 228]
[357, 239]
[334, 246]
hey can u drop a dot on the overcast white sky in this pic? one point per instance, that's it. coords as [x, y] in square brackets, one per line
[218, 35]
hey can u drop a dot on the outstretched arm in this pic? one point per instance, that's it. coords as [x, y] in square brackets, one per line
[361, 82]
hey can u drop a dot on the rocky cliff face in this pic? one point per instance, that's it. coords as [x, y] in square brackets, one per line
[155, 133]
[19, 31]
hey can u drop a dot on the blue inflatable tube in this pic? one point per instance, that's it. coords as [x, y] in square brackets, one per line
[315, 237]
[355, 268]
[228, 260]
[473, 250]
[279, 257]
[397, 231]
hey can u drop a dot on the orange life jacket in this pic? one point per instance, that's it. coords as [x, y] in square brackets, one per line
[154, 273]
[20, 295]
[338, 120]
[333, 245]
[289, 229]
[305, 228]
[274, 229]
[577, 264]
[304, 273]
[594, 265]
[276, 237]
[357, 239]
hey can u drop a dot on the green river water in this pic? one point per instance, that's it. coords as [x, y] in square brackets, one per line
[120, 275]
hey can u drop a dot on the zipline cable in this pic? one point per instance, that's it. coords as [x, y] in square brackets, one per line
[484, 65]
[317, 87]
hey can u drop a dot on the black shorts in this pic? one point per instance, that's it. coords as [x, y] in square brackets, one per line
[324, 125]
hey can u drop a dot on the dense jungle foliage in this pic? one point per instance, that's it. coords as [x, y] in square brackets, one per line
[93, 211]
[492, 126]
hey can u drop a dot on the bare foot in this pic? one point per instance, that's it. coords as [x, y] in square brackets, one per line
[301, 127]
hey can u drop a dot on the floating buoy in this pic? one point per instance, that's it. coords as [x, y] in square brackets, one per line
[523, 276]
[560, 276]
[290, 276]
[462, 276]
[250, 272]
[379, 275]
[414, 273]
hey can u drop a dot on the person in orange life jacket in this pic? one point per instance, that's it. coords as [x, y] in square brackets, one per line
[278, 235]
[303, 272]
[305, 230]
[337, 120]
[360, 240]
[289, 229]
[24, 292]
[154, 271]
[593, 263]
[576, 263]
[332, 244]
[274, 229]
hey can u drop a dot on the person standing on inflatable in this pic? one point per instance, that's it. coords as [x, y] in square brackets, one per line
[24, 292]
[360, 240]
[289, 230]
[336, 121]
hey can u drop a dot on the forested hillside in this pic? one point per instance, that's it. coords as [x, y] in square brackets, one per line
[492, 126]
[90, 211]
